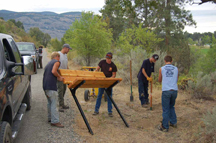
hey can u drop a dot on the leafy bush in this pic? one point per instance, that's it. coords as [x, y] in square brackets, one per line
[183, 82]
[203, 87]
[209, 120]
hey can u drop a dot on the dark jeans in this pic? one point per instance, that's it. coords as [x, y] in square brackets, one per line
[98, 102]
[40, 61]
[168, 103]
[143, 92]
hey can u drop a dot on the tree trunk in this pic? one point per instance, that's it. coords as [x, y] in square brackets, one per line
[146, 13]
[88, 60]
[167, 22]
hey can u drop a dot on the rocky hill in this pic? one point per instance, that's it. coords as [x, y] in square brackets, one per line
[49, 22]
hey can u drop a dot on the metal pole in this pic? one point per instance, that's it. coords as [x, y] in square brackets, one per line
[131, 97]
[73, 91]
[108, 91]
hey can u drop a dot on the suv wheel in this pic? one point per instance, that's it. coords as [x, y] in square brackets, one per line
[27, 98]
[6, 134]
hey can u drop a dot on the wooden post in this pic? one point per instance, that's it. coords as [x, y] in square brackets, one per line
[151, 96]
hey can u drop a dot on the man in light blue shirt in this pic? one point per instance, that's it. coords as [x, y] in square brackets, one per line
[168, 75]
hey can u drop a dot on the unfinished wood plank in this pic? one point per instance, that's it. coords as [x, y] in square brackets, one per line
[94, 83]
[92, 79]
[80, 73]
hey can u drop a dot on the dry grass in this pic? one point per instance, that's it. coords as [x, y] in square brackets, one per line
[142, 121]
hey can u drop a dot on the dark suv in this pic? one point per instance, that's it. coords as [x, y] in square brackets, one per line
[28, 48]
[15, 87]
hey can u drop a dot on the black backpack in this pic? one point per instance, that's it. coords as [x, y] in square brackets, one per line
[40, 51]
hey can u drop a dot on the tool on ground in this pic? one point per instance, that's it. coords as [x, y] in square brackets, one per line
[131, 97]
[151, 94]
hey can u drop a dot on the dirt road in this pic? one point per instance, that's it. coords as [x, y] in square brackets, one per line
[35, 127]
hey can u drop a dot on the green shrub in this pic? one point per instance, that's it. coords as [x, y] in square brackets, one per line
[203, 87]
[209, 120]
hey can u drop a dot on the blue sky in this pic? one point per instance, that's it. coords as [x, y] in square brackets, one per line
[204, 15]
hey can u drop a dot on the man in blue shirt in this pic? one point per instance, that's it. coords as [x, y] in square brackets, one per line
[168, 75]
[144, 76]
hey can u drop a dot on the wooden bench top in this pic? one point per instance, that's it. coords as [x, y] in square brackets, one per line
[92, 79]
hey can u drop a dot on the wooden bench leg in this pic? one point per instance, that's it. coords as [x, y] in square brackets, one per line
[108, 91]
[73, 91]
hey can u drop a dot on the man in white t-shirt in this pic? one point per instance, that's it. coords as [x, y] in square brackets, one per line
[61, 86]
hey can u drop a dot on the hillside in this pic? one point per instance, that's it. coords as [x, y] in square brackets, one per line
[49, 22]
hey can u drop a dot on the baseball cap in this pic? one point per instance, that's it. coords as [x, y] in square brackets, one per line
[155, 56]
[67, 46]
[109, 55]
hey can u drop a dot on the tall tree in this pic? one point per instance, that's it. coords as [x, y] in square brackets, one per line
[18, 23]
[42, 38]
[172, 18]
[89, 36]
[46, 39]
[137, 37]
[121, 15]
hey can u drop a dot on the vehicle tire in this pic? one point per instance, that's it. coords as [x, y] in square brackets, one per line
[27, 97]
[86, 95]
[105, 96]
[6, 133]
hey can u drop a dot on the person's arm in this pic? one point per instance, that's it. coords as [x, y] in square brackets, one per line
[160, 76]
[55, 71]
[144, 73]
[97, 69]
[113, 75]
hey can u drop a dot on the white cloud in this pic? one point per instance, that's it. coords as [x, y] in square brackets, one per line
[58, 6]
[204, 6]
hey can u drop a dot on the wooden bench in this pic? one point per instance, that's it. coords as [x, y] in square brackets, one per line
[89, 79]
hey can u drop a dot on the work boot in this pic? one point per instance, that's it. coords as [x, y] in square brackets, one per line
[110, 114]
[61, 110]
[95, 113]
[65, 107]
[145, 105]
[161, 128]
[173, 125]
[59, 125]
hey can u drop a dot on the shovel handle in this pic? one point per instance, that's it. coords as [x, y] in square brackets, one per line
[151, 95]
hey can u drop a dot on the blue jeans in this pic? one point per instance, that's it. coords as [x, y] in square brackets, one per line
[99, 97]
[168, 103]
[53, 114]
[143, 92]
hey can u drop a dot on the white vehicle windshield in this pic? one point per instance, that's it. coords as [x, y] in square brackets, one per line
[25, 47]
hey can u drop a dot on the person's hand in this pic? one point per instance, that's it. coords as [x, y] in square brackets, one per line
[149, 78]
[60, 78]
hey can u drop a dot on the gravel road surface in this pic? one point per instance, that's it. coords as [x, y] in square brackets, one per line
[35, 127]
